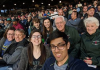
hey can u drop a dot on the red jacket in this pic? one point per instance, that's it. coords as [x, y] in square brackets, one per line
[18, 26]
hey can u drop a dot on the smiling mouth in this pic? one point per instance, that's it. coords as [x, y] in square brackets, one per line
[58, 55]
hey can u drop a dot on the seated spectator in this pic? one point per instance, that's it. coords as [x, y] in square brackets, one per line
[16, 24]
[72, 33]
[74, 20]
[12, 54]
[5, 42]
[90, 45]
[9, 24]
[36, 23]
[47, 28]
[2, 23]
[33, 56]
[62, 61]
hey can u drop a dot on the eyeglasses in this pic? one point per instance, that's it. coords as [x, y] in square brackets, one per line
[34, 36]
[10, 34]
[60, 46]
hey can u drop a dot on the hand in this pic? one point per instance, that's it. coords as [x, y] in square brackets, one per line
[0, 57]
[88, 60]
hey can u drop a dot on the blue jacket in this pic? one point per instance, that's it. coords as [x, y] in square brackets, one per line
[73, 64]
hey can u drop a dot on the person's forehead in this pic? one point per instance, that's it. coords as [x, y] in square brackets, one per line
[59, 19]
[57, 41]
[18, 32]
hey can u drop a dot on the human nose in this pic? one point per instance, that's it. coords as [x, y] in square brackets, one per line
[56, 49]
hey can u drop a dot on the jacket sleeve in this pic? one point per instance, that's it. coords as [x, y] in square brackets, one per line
[83, 54]
[76, 36]
[96, 61]
[23, 62]
[10, 59]
[76, 51]
[45, 67]
[1, 44]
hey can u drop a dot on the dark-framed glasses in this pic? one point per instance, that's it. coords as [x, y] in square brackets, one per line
[59, 46]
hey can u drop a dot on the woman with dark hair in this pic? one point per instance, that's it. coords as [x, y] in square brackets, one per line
[7, 39]
[33, 56]
[47, 28]
[5, 42]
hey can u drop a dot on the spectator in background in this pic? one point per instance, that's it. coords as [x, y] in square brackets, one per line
[84, 11]
[74, 20]
[2, 23]
[16, 24]
[90, 13]
[60, 13]
[23, 21]
[47, 29]
[28, 24]
[95, 5]
[98, 7]
[36, 23]
[9, 23]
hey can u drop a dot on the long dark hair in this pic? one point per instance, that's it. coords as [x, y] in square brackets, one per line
[45, 30]
[30, 50]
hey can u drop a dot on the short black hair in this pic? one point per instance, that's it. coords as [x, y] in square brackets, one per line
[58, 34]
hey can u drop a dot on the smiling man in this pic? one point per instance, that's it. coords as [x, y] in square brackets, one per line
[62, 61]
[73, 36]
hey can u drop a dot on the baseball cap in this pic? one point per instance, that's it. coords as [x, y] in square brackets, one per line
[90, 7]
[8, 19]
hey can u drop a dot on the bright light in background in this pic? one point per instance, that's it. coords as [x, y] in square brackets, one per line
[51, 0]
[32, 0]
[3, 5]
[14, 4]
[59, 1]
[42, 3]
[23, 3]
[48, 4]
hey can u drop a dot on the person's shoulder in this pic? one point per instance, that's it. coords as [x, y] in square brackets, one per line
[50, 60]
[70, 28]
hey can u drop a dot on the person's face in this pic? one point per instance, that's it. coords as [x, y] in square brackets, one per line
[19, 36]
[91, 28]
[36, 39]
[85, 9]
[60, 12]
[60, 52]
[60, 24]
[99, 8]
[95, 2]
[9, 22]
[36, 24]
[91, 12]
[14, 22]
[10, 35]
[73, 15]
[29, 17]
[47, 23]
[22, 17]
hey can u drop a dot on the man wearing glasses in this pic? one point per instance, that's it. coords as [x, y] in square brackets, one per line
[72, 33]
[62, 61]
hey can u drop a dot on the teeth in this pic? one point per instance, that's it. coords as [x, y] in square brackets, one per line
[58, 55]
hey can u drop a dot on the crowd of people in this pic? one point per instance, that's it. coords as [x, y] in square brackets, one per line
[65, 38]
